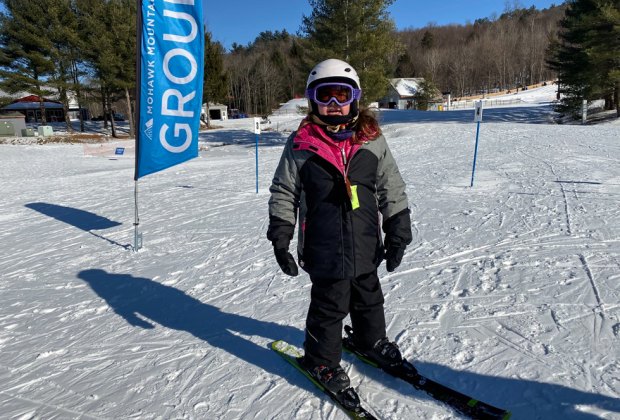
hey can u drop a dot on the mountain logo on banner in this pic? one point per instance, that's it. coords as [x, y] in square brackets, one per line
[148, 129]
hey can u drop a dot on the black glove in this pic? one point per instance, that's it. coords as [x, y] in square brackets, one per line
[394, 251]
[286, 261]
[280, 233]
[397, 236]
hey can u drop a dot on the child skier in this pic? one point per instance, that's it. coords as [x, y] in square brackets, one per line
[338, 173]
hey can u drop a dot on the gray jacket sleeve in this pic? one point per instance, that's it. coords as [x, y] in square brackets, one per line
[284, 201]
[390, 185]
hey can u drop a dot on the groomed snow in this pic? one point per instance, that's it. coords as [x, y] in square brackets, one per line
[509, 292]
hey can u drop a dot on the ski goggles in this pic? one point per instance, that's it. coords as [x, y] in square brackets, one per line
[326, 93]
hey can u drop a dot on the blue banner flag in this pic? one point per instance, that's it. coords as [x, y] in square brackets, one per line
[171, 67]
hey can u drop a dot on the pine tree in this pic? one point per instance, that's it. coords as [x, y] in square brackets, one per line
[426, 93]
[357, 31]
[215, 85]
[109, 28]
[122, 30]
[428, 40]
[26, 61]
[604, 52]
[97, 47]
[587, 54]
[63, 33]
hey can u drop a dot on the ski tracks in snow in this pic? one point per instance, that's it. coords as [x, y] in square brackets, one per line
[532, 288]
[509, 292]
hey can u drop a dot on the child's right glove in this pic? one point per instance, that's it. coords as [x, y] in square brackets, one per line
[285, 261]
[280, 233]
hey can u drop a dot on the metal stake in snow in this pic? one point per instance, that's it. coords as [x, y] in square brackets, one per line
[257, 132]
[584, 112]
[477, 120]
[137, 236]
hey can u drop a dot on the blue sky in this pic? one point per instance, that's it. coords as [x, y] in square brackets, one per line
[241, 21]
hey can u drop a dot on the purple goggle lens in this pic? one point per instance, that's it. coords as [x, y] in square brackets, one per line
[341, 93]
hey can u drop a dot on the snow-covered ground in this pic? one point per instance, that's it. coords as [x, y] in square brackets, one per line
[509, 292]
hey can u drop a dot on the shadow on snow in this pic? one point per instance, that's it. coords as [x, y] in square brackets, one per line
[143, 303]
[520, 114]
[525, 399]
[80, 219]
[223, 137]
[535, 114]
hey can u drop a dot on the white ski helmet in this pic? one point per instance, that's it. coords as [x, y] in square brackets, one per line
[333, 68]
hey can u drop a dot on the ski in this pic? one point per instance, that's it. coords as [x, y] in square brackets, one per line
[347, 400]
[462, 403]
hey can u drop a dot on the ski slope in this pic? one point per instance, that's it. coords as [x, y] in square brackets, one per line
[509, 292]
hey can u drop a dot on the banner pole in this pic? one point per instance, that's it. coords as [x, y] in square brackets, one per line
[166, 61]
[137, 237]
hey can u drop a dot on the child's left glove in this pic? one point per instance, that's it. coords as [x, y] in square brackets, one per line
[397, 236]
[394, 251]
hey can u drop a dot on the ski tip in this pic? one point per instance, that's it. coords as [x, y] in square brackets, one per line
[279, 345]
[503, 415]
[284, 348]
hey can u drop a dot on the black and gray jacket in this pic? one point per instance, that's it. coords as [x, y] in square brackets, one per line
[339, 227]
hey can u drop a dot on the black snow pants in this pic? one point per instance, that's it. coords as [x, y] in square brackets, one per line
[330, 302]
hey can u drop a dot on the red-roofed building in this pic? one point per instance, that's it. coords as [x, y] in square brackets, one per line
[30, 106]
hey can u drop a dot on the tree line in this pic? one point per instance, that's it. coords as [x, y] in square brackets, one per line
[274, 68]
[487, 55]
[575, 43]
[87, 47]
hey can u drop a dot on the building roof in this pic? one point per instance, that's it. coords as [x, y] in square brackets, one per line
[73, 104]
[10, 115]
[215, 105]
[406, 87]
[31, 102]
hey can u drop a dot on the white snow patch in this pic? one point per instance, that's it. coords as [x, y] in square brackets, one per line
[509, 291]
